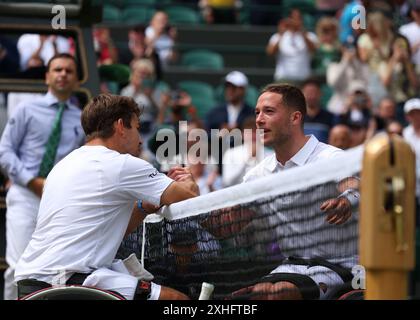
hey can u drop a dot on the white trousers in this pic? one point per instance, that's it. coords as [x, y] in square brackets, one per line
[22, 210]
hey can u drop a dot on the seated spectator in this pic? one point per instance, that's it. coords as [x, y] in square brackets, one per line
[412, 32]
[317, 121]
[411, 134]
[293, 47]
[374, 45]
[359, 132]
[328, 49]
[234, 110]
[106, 52]
[141, 89]
[340, 137]
[358, 115]
[176, 106]
[345, 74]
[161, 37]
[238, 160]
[138, 49]
[412, 131]
[398, 74]
[35, 49]
[395, 10]
[385, 113]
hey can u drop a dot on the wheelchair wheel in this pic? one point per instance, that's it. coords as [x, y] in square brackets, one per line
[73, 293]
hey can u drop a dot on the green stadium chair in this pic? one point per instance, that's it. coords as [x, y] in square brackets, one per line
[113, 87]
[127, 3]
[111, 14]
[219, 93]
[309, 22]
[202, 95]
[162, 86]
[182, 15]
[326, 95]
[251, 95]
[116, 3]
[119, 73]
[307, 6]
[202, 59]
[137, 14]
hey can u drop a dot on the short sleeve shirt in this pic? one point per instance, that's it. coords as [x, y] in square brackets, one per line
[85, 209]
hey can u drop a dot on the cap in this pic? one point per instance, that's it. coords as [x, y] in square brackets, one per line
[357, 85]
[237, 78]
[412, 104]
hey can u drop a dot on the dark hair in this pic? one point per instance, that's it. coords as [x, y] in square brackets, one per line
[139, 28]
[399, 37]
[311, 81]
[292, 97]
[101, 112]
[61, 56]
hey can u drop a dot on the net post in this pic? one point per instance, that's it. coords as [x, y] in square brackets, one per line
[386, 243]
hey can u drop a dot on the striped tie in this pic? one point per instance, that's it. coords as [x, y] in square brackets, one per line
[52, 144]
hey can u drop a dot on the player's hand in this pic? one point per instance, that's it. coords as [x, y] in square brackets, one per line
[36, 185]
[183, 174]
[178, 173]
[150, 208]
[338, 210]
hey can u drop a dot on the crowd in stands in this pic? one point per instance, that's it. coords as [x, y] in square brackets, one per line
[369, 74]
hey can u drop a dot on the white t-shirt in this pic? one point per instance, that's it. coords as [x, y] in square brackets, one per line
[84, 212]
[293, 56]
[312, 151]
[233, 113]
[29, 43]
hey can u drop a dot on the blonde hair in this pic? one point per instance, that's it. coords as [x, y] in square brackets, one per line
[379, 23]
[143, 64]
[326, 22]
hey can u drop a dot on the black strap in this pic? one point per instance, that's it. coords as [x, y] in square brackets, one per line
[143, 290]
[307, 286]
[344, 273]
[77, 278]
[28, 286]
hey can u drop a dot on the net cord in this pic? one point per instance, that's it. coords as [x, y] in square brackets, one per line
[344, 165]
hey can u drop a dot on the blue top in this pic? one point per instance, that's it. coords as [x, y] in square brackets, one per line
[23, 142]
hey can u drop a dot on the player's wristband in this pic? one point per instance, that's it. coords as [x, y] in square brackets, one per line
[140, 206]
[352, 195]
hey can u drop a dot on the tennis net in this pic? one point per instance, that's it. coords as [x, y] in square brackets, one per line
[235, 236]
